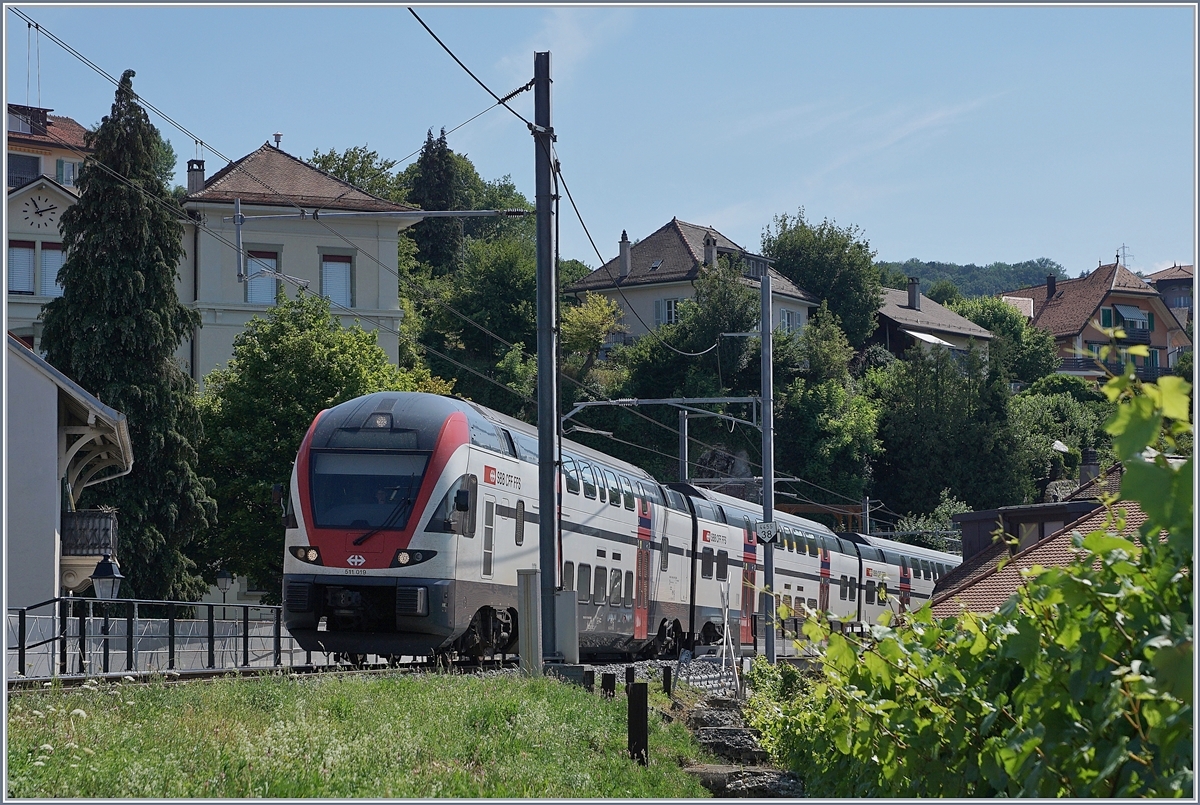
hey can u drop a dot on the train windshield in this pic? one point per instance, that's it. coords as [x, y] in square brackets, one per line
[365, 490]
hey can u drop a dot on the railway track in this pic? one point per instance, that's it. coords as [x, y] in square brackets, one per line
[173, 677]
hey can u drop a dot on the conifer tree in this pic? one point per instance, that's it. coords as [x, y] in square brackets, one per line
[115, 331]
[436, 185]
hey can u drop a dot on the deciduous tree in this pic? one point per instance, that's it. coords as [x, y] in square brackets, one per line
[286, 367]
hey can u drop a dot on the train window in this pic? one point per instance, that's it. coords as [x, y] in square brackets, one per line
[628, 600]
[787, 601]
[720, 514]
[489, 533]
[614, 588]
[614, 490]
[520, 527]
[704, 511]
[598, 584]
[812, 544]
[882, 590]
[706, 563]
[362, 491]
[589, 480]
[654, 494]
[722, 565]
[903, 564]
[664, 554]
[484, 434]
[854, 588]
[842, 585]
[812, 604]
[568, 575]
[509, 444]
[925, 569]
[571, 471]
[527, 448]
[627, 492]
[869, 593]
[585, 583]
[675, 500]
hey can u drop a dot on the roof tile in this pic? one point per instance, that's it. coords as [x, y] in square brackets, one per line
[931, 316]
[1076, 300]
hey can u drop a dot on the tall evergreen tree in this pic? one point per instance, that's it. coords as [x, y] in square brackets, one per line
[436, 185]
[115, 330]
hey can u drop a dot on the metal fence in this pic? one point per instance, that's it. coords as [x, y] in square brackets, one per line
[88, 637]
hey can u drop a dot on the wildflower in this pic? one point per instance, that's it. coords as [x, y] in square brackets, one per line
[47, 748]
[127, 678]
[39, 714]
[78, 712]
[88, 751]
[38, 763]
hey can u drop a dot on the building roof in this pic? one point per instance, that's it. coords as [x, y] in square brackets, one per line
[678, 250]
[931, 318]
[1106, 483]
[1175, 272]
[1076, 301]
[58, 132]
[985, 586]
[273, 177]
[112, 440]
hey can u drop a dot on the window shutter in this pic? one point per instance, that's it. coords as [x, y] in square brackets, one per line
[335, 279]
[20, 267]
[658, 312]
[52, 260]
[58, 171]
[1150, 321]
[1106, 317]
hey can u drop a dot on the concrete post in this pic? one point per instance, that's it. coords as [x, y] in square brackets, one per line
[529, 605]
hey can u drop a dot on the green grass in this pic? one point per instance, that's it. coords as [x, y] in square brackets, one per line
[393, 736]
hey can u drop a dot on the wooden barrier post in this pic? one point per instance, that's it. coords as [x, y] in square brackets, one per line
[666, 672]
[589, 680]
[608, 685]
[630, 675]
[639, 723]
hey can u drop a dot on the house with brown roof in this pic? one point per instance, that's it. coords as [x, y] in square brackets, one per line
[350, 260]
[981, 584]
[1176, 285]
[1075, 310]
[650, 278]
[44, 155]
[909, 317]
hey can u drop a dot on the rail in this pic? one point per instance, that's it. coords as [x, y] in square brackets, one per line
[81, 637]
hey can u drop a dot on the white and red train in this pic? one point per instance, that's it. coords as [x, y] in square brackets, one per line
[409, 515]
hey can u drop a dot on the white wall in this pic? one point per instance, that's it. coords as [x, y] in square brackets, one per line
[33, 490]
[641, 298]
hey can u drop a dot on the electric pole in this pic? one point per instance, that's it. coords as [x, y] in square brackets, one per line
[547, 351]
[768, 464]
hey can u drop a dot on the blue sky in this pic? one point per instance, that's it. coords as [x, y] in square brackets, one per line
[960, 134]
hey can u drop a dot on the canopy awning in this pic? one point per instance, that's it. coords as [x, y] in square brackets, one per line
[928, 339]
[1130, 313]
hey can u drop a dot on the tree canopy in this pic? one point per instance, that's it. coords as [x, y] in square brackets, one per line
[971, 279]
[286, 367]
[1026, 353]
[834, 263]
[115, 330]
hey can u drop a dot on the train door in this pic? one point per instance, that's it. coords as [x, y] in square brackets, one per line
[641, 587]
[749, 569]
[826, 572]
[489, 536]
[506, 536]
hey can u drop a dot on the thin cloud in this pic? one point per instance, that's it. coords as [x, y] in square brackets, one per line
[572, 35]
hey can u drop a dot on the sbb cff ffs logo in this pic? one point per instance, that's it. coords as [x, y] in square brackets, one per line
[496, 477]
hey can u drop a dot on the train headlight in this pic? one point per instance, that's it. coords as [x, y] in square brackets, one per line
[307, 553]
[405, 558]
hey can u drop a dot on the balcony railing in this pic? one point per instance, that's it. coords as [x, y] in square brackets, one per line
[91, 532]
[1092, 366]
[1133, 336]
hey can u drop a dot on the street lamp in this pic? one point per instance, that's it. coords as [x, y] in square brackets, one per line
[107, 578]
[224, 579]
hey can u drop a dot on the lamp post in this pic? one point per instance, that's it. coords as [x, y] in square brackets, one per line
[107, 578]
[224, 579]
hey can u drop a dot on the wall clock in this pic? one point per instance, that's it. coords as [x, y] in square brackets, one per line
[40, 212]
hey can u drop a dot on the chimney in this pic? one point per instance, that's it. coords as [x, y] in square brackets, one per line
[914, 293]
[1089, 465]
[625, 261]
[278, 136]
[195, 175]
[710, 249]
[1050, 286]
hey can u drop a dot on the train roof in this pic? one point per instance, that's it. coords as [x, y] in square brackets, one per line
[755, 511]
[919, 551]
[575, 448]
